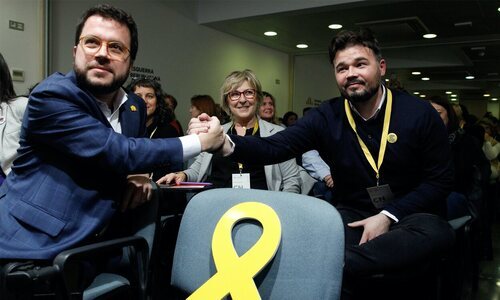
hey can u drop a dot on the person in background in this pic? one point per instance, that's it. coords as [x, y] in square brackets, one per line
[289, 118]
[318, 169]
[83, 139]
[390, 158]
[202, 104]
[11, 115]
[158, 118]
[472, 169]
[222, 114]
[241, 94]
[267, 110]
[172, 104]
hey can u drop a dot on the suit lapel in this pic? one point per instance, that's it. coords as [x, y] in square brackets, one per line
[130, 119]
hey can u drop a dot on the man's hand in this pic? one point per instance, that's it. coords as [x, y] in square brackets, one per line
[139, 190]
[328, 180]
[198, 125]
[214, 137]
[172, 178]
[373, 227]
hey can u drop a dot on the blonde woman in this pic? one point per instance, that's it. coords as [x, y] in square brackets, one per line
[241, 95]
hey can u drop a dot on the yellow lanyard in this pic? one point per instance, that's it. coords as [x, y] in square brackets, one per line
[255, 128]
[383, 141]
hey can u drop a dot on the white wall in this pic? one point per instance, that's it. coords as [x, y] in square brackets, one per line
[189, 58]
[313, 81]
[23, 50]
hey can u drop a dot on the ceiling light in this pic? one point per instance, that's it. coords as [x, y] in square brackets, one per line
[469, 77]
[494, 99]
[387, 80]
[453, 99]
[335, 26]
[416, 93]
[422, 96]
[429, 35]
[499, 9]
[454, 95]
[425, 78]
[448, 93]
[302, 46]
[270, 33]
[486, 95]
[415, 73]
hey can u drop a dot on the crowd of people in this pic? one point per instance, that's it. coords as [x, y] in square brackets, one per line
[80, 158]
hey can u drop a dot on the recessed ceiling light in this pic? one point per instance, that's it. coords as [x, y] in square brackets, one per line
[270, 33]
[429, 36]
[415, 73]
[387, 80]
[494, 99]
[302, 46]
[486, 95]
[454, 95]
[453, 99]
[416, 93]
[422, 96]
[499, 9]
[448, 93]
[335, 26]
[469, 77]
[425, 78]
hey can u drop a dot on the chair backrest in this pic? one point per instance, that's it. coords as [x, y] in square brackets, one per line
[309, 260]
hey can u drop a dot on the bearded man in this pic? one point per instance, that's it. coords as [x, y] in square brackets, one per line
[81, 139]
[390, 159]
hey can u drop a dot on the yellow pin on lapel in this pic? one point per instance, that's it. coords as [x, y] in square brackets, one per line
[133, 108]
[392, 138]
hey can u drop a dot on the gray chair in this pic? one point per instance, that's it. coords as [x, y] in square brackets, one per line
[62, 278]
[308, 263]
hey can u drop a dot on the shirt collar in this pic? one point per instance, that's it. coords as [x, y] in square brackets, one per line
[375, 114]
[120, 98]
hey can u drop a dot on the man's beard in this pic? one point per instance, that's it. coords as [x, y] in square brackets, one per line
[360, 96]
[98, 89]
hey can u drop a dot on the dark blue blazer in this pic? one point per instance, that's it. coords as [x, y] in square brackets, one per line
[71, 171]
[417, 166]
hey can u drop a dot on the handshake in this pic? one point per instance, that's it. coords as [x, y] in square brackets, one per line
[210, 133]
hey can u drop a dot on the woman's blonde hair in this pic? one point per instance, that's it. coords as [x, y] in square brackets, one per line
[235, 80]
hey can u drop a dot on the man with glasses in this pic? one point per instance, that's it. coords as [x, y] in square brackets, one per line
[82, 139]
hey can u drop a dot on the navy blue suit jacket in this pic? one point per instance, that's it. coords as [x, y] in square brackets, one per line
[72, 168]
[417, 166]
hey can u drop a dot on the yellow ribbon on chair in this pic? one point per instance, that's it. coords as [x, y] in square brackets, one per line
[235, 273]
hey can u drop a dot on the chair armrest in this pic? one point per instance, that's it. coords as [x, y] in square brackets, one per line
[459, 222]
[139, 258]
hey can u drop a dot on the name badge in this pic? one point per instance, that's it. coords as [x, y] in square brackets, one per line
[241, 181]
[380, 195]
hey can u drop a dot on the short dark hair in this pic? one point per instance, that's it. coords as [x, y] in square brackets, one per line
[6, 86]
[172, 98]
[287, 116]
[453, 123]
[114, 13]
[345, 38]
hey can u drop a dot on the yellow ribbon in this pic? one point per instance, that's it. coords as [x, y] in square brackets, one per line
[235, 273]
[383, 141]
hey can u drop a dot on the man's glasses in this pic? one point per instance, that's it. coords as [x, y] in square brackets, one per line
[235, 95]
[116, 50]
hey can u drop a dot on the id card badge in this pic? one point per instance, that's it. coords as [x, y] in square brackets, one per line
[380, 195]
[241, 181]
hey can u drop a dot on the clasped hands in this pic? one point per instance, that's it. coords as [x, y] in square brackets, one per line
[209, 131]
